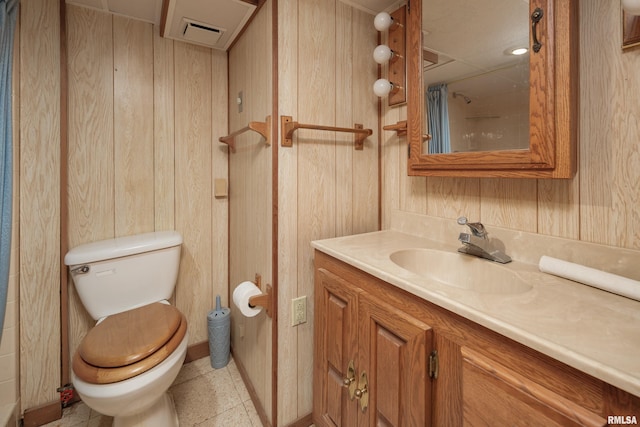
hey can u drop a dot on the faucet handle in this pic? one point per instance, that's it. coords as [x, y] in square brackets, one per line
[462, 220]
[477, 228]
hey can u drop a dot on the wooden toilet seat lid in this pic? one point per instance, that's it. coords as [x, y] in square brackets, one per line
[100, 375]
[128, 337]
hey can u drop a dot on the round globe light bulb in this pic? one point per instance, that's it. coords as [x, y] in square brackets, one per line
[382, 54]
[382, 21]
[382, 87]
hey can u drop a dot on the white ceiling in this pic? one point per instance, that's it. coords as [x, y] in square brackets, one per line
[228, 15]
[150, 10]
[375, 6]
[143, 10]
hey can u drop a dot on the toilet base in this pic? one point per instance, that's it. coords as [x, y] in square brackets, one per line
[161, 414]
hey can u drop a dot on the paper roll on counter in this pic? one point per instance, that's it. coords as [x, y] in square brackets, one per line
[241, 295]
[590, 276]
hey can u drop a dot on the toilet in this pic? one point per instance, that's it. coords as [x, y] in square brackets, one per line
[126, 363]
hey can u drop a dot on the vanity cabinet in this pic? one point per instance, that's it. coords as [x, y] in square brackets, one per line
[425, 365]
[370, 358]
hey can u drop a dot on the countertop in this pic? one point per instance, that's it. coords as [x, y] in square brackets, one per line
[594, 331]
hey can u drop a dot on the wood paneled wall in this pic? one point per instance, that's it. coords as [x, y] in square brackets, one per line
[250, 198]
[145, 114]
[325, 187]
[144, 117]
[600, 204]
[39, 201]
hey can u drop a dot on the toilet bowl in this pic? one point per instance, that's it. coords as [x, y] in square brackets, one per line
[126, 363]
[142, 400]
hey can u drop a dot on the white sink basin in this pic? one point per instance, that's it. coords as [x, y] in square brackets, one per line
[461, 271]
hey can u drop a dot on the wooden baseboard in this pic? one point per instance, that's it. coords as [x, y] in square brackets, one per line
[302, 422]
[197, 351]
[42, 414]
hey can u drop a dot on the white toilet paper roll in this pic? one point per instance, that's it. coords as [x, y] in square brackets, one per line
[241, 295]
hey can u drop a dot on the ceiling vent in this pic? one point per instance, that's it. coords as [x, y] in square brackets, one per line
[200, 33]
[219, 21]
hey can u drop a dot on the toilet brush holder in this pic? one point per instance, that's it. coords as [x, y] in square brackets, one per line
[219, 322]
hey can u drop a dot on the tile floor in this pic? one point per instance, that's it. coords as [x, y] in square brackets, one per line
[204, 397]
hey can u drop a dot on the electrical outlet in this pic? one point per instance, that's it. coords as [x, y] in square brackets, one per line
[298, 310]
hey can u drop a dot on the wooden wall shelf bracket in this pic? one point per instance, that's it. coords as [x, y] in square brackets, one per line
[288, 126]
[263, 128]
[400, 128]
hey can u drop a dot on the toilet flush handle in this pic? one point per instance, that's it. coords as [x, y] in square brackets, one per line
[83, 269]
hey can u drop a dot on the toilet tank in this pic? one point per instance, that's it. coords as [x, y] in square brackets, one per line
[119, 274]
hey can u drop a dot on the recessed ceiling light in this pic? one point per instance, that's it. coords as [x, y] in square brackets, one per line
[519, 51]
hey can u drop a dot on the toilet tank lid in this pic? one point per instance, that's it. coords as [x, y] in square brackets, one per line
[122, 246]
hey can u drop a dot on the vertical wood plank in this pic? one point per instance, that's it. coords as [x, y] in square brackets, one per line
[38, 163]
[163, 132]
[91, 147]
[193, 184]
[288, 59]
[316, 160]
[345, 156]
[133, 126]
[261, 185]
[91, 158]
[219, 162]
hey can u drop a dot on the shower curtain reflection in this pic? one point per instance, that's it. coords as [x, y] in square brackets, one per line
[438, 114]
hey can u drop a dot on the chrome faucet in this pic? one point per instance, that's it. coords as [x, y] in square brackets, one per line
[477, 243]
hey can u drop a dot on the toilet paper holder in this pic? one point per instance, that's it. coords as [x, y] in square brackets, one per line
[263, 300]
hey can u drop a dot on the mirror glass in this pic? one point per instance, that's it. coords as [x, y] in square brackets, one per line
[476, 90]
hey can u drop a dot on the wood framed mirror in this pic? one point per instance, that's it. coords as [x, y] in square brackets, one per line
[477, 83]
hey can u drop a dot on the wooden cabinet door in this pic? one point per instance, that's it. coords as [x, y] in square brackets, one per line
[393, 354]
[494, 395]
[335, 339]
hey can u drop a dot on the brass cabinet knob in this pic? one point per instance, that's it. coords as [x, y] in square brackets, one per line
[362, 393]
[350, 380]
